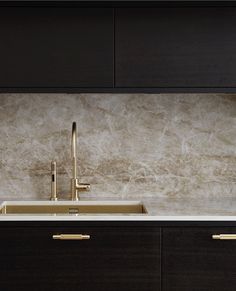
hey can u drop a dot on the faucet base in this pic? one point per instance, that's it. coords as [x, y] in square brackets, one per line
[77, 187]
[74, 192]
[53, 199]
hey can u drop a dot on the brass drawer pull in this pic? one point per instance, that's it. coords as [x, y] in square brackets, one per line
[71, 236]
[224, 236]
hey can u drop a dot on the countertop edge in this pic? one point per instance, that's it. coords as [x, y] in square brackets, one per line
[119, 218]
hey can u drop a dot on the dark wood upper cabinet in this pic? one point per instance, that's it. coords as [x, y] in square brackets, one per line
[117, 47]
[176, 47]
[56, 47]
[114, 259]
[193, 261]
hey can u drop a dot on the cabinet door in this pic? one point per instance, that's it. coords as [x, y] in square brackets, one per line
[114, 259]
[59, 47]
[176, 47]
[193, 261]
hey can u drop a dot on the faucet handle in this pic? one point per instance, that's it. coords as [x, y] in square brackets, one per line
[83, 187]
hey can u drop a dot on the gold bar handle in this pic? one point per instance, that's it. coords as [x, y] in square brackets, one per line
[71, 236]
[224, 236]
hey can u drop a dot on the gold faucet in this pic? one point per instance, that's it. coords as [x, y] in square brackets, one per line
[76, 186]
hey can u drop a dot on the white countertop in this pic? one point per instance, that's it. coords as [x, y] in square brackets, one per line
[113, 218]
[158, 210]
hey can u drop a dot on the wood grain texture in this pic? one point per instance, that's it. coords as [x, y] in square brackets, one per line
[56, 47]
[114, 259]
[176, 47]
[193, 261]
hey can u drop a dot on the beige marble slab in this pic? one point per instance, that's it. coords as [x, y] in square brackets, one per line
[177, 150]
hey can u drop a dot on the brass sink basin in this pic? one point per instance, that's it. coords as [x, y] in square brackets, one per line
[70, 208]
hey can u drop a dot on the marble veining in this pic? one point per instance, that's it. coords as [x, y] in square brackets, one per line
[130, 146]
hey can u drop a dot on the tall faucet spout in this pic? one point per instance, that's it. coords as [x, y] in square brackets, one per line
[76, 186]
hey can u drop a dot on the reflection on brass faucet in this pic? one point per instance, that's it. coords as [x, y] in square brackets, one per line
[76, 187]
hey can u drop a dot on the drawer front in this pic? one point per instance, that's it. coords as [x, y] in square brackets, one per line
[194, 261]
[176, 47]
[117, 258]
[56, 47]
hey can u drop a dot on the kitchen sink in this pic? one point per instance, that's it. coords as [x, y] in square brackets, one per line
[72, 208]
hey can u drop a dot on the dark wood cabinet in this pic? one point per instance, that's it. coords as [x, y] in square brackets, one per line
[127, 256]
[56, 47]
[137, 46]
[114, 259]
[193, 261]
[176, 47]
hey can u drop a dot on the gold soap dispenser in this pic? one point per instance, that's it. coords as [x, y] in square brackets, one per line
[54, 181]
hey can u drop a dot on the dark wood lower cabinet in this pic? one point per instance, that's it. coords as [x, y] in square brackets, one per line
[114, 259]
[193, 261]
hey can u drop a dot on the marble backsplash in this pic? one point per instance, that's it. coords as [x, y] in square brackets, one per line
[130, 146]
